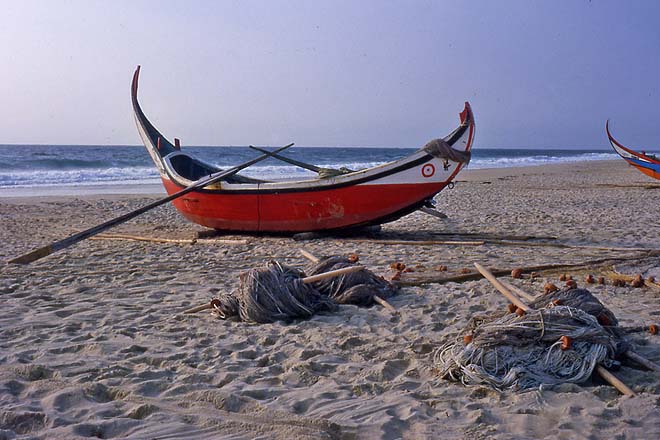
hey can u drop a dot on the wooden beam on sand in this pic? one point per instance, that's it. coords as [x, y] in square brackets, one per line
[165, 240]
[606, 375]
[419, 242]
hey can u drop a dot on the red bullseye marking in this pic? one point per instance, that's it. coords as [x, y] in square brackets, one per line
[428, 170]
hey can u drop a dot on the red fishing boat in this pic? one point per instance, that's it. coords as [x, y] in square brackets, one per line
[345, 199]
[646, 163]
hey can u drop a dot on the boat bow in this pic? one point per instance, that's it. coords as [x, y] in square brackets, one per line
[645, 163]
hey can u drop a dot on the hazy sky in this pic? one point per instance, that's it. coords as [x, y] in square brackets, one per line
[327, 73]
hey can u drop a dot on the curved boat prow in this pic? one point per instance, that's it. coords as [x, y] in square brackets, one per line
[157, 145]
[644, 163]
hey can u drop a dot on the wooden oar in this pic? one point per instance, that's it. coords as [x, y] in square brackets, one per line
[306, 280]
[297, 163]
[66, 242]
[606, 375]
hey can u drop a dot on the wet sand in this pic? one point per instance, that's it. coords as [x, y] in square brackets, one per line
[93, 343]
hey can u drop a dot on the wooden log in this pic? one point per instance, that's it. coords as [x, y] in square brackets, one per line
[499, 286]
[642, 361]
[614, 381]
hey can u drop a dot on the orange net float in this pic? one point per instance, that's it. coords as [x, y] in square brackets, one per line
[516, 273]
[550, 287]
[467, 339]
[520, 312]
[566, 342]
[512, 308]
[653, 329]
[557, 302]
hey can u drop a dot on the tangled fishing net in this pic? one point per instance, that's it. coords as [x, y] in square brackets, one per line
[560, 340]
[273, 293]
[357, 288]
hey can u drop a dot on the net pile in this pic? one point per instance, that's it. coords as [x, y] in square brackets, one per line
[508, 351]
[275, 292]
[358, 288]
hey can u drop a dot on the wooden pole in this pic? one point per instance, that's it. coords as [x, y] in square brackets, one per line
[614, 381]
[517, 291]
[331, 274]
[386, 304]
[499, 286]
[314, 259]
[66, 242]
[642, 361]
[606, 375]
[311, 257]
[199, 308]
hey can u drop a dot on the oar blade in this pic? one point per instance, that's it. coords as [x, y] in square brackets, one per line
[33, 255]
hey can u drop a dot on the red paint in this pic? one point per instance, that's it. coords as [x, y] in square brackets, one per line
[299, 211]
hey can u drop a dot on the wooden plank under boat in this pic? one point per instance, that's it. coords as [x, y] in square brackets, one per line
[645, 163]
[359, 198]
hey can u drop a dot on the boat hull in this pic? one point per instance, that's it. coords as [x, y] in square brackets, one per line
[339, 208]
[372, 196]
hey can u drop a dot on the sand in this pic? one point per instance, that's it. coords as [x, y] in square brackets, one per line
[93, 344]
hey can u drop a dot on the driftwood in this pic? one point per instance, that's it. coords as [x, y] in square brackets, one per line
[606, 375]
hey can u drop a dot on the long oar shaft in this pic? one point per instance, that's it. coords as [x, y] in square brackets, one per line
[75, 238]
[274, 155]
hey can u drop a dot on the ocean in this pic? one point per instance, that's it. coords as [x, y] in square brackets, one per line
[47, 166]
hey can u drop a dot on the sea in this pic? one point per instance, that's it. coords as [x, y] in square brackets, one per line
[40, 167]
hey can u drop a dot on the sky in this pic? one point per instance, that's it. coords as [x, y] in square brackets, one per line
[538, 74]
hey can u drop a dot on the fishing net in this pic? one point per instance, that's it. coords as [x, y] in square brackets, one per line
[357, 288]
[273, 293]
[556, 343]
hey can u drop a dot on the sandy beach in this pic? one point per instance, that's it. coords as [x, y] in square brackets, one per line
[93, 342]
